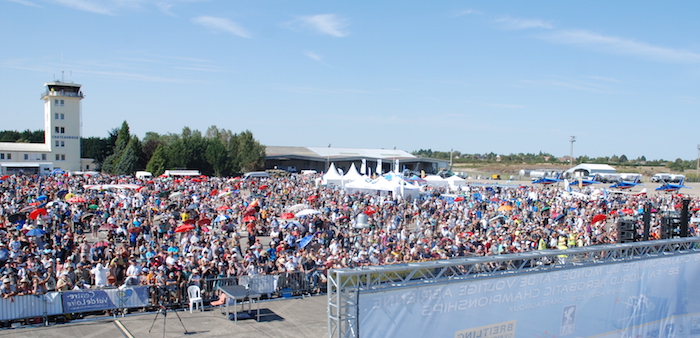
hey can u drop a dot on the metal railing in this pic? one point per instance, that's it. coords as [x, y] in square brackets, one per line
[57, 306]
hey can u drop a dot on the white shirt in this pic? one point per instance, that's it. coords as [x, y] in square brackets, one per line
[100, 273]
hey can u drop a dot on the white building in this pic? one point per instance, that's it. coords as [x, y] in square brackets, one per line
[61, 147]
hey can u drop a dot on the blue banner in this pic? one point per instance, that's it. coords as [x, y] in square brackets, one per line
[96, 300]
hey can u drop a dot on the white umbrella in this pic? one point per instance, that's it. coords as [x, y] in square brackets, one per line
[175, 195]
[307, 212]
[297, 207]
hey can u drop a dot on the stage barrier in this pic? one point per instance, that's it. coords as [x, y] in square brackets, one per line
[628, 290]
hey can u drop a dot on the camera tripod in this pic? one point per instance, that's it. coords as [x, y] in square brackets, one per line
[164, 305]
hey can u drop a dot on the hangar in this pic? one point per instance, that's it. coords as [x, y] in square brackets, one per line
[319, 159]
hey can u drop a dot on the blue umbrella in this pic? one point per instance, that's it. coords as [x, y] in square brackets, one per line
[36, 232]
[305, 241]
[41, 198]
[292, 223]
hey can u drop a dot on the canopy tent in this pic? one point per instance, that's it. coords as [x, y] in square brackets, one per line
[392, 185]
[456, 181]
[435, 181]
[332, 177]
[352, 175]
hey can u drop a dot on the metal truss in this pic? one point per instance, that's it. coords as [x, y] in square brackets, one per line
[345, 285]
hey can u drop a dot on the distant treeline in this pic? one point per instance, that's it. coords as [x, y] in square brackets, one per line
[26, 136]
[539, 158]
[217, 152]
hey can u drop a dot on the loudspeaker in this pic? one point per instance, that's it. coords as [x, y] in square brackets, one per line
[670, 227]
[626, 230]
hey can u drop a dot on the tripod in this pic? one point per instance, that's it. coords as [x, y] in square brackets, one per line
[165, 304]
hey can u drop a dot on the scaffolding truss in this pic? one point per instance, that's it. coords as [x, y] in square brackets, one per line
[345, 285]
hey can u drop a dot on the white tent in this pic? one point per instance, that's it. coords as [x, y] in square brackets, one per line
[456, 181]
[435, 181]
[394, 186]
[352, 175]
[332, 177]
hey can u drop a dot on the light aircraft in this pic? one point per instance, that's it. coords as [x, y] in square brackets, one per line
[627, 184]
[581, 182]
[547, 180]
[620, 192]
[672, 187]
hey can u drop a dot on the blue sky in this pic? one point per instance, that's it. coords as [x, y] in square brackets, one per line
[473, 76]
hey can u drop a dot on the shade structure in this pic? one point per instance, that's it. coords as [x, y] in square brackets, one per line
[598, 218]
[38, 212]
[287, 215]
[307, 212]
[184, 227]
[36, 232]
[77, 199]
[108, 226]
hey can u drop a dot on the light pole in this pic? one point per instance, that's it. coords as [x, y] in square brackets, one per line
[697, 169]
[572, 139]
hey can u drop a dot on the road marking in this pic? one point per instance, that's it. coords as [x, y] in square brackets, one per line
[123, 329]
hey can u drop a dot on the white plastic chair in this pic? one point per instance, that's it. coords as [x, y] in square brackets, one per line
[195, 297]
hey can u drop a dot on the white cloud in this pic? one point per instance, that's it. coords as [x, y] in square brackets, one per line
[327, 24]
[313, 56]
[504, 105]
[517, 23]
[86, 5]
[618, 45]
[25, 2]
[467, 12]
[222, 24]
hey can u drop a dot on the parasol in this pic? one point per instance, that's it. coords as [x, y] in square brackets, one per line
[287, 215]
[307, 212]
[36, 213]
[184, 227]
[249, 218]
[598, 218]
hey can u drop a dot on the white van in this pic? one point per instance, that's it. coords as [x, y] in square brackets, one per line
[256, 174]
[143, 175]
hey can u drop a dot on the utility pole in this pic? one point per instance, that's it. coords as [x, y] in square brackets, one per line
[572, 139]
[697, 169]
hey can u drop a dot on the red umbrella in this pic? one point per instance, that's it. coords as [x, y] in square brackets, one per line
[627, 211]
[249, 218]
[77, 199]
[184, 227]
[459, 199]
[264, 186]
[135, 230]
[370, 210]
[312, 198]
[249, 211]
[223, 207]
[204, 221]
[598, 218]
[38, 212]
[108, 226]
[189, 221]
[287, 215]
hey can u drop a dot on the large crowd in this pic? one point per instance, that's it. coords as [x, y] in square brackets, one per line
[75, 232]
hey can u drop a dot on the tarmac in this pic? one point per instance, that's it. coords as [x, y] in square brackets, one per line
[296, 317]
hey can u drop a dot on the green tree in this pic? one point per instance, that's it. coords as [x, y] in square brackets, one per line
[127, 163]
[157, 164]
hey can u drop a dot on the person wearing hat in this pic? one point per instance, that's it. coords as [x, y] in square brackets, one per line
[64, 283]
[7, 290]
[24, 288]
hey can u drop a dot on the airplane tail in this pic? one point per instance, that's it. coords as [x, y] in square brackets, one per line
[643, 192]
[566, 184]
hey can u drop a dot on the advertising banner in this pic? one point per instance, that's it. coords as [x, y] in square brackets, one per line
[95, 300]
[645, 298]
